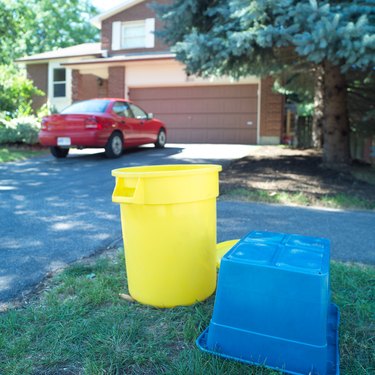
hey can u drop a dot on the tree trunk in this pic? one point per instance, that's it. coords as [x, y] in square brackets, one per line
[336, 150]
[317, 123]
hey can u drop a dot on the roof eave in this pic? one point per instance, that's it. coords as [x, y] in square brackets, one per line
[25, 60]
[97, 21]
[122, 59]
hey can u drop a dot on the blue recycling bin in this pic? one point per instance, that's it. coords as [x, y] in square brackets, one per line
[273, 307]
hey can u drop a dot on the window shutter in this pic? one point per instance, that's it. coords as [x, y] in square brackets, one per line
[149, 32]
[116, 36]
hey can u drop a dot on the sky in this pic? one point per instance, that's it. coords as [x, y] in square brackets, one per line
[104, 5]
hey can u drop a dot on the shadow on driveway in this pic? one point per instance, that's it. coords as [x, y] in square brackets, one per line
[56, 211]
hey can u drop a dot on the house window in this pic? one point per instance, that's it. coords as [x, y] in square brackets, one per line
[133, 34]
[59, 83]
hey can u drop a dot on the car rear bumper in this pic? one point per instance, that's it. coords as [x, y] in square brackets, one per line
[86, 138]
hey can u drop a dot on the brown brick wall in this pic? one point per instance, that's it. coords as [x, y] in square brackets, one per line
[116, 82]
[271, 110]
[88, 86]
[76, 84]
[137, 12]
[38, 73]
[103, 88]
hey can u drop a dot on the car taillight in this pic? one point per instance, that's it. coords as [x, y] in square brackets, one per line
[92, 123]
[44, 125]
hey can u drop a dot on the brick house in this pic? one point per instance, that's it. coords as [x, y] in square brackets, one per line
[131, 62]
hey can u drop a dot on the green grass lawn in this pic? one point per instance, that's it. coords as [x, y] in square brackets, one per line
[10, 154]
[79, 325]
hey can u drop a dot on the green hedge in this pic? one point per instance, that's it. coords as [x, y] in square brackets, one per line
[19, 130]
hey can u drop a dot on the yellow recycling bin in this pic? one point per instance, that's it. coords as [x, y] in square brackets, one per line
[168, 216]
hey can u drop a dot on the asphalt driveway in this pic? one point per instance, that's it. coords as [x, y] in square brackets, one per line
[53, 212]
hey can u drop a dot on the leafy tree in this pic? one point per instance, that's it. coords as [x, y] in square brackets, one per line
[50, 24]
[35, 26]
[262, 37]
[305, 87]
[8, 32]
[15, 92]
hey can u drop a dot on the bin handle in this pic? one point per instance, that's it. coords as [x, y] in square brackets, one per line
[126, 194]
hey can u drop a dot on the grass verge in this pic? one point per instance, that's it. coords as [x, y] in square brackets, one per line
[343, 201]
[79, 325]
[364, 174]
[9, 154]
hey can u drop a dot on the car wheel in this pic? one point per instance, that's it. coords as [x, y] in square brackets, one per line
[161, 140]
[59, 152]
[114, 146]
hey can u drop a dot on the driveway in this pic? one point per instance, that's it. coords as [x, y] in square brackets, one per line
[54, 212]
[352, 233]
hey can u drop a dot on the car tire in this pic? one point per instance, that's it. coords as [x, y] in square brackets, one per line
[161, 139]
[115, 146]
[59, 152]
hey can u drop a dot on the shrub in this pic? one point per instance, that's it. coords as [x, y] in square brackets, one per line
[16, 92]
[19, 130]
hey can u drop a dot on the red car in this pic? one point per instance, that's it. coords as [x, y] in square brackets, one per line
[110, 123]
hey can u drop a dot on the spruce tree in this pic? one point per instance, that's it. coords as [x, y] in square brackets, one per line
[266, 37]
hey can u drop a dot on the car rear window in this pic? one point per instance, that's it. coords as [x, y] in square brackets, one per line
[87, 106]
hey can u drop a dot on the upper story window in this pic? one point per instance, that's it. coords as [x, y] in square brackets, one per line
[59, 83]
[133, 34]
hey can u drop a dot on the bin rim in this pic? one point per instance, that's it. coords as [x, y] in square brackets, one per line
[149, 171]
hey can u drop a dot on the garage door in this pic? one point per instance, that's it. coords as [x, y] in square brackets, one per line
[203, 114]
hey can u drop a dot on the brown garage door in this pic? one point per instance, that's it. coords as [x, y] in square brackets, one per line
[203, 114]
